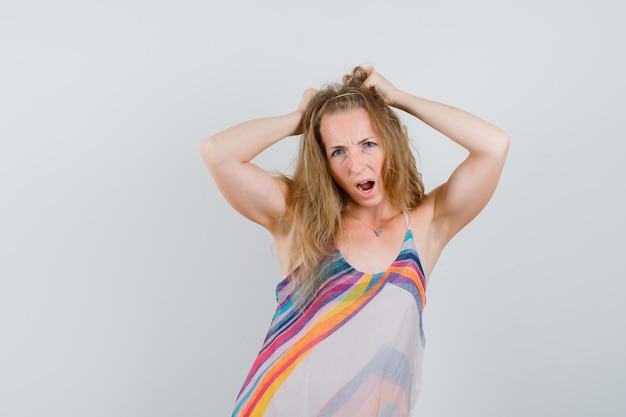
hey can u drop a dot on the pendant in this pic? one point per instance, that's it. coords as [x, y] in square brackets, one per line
[378, 232]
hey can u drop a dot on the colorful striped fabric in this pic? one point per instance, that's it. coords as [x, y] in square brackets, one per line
[354, 350]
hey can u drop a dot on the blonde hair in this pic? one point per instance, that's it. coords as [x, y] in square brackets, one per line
[315, 202]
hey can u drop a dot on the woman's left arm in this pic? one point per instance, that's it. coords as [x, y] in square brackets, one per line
[473, 182]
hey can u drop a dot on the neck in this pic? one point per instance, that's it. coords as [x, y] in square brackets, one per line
[374, 216]
[380, 221]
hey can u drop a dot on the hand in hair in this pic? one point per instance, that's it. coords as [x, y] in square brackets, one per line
[308, 94]
[370, 78]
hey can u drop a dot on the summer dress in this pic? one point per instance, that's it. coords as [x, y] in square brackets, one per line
[355, 349]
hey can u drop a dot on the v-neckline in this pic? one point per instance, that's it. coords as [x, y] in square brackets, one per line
[407, 236]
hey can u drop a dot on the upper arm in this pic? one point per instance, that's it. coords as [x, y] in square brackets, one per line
[249, 189]
[468, 189]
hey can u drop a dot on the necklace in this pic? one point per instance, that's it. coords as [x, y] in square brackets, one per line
[376, 230]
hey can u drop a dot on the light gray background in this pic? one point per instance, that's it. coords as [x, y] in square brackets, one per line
[128, 287]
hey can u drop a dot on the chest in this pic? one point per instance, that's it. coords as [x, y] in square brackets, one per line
[368, 252]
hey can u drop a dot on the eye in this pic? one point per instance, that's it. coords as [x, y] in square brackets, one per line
[336, 152]
[369, 144]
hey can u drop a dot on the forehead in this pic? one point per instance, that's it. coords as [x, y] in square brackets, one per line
[350, 125]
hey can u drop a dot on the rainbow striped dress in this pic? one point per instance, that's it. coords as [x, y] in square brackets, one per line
[354, 350]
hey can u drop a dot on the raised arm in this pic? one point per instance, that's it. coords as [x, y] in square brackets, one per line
[249, 189]
[473, 182]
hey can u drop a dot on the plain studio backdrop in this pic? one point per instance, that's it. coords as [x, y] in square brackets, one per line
[128, 286]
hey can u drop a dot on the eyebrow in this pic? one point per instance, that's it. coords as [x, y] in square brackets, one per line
[367, 139]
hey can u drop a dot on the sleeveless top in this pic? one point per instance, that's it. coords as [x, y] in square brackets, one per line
[354, 349]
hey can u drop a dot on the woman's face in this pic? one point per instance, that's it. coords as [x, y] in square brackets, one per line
[355, 155]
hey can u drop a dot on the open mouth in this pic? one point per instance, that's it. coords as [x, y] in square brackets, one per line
[366, 186]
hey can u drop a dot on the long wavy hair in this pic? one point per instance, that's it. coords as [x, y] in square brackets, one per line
[315, 202]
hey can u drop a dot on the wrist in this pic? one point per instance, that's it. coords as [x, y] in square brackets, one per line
[400, 100]
[294, 120]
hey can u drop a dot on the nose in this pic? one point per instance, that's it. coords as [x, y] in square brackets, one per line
[357, 164]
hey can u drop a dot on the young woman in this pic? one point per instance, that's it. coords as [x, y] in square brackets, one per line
[357, 238]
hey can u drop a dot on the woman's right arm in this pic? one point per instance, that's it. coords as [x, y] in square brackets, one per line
[249, 189]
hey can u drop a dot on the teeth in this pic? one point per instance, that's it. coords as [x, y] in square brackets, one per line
[360, 187]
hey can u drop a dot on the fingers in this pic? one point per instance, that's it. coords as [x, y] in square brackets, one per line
[379, 83]
[374, 81]
[309, 92]
[307, 96]
[346, 78]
